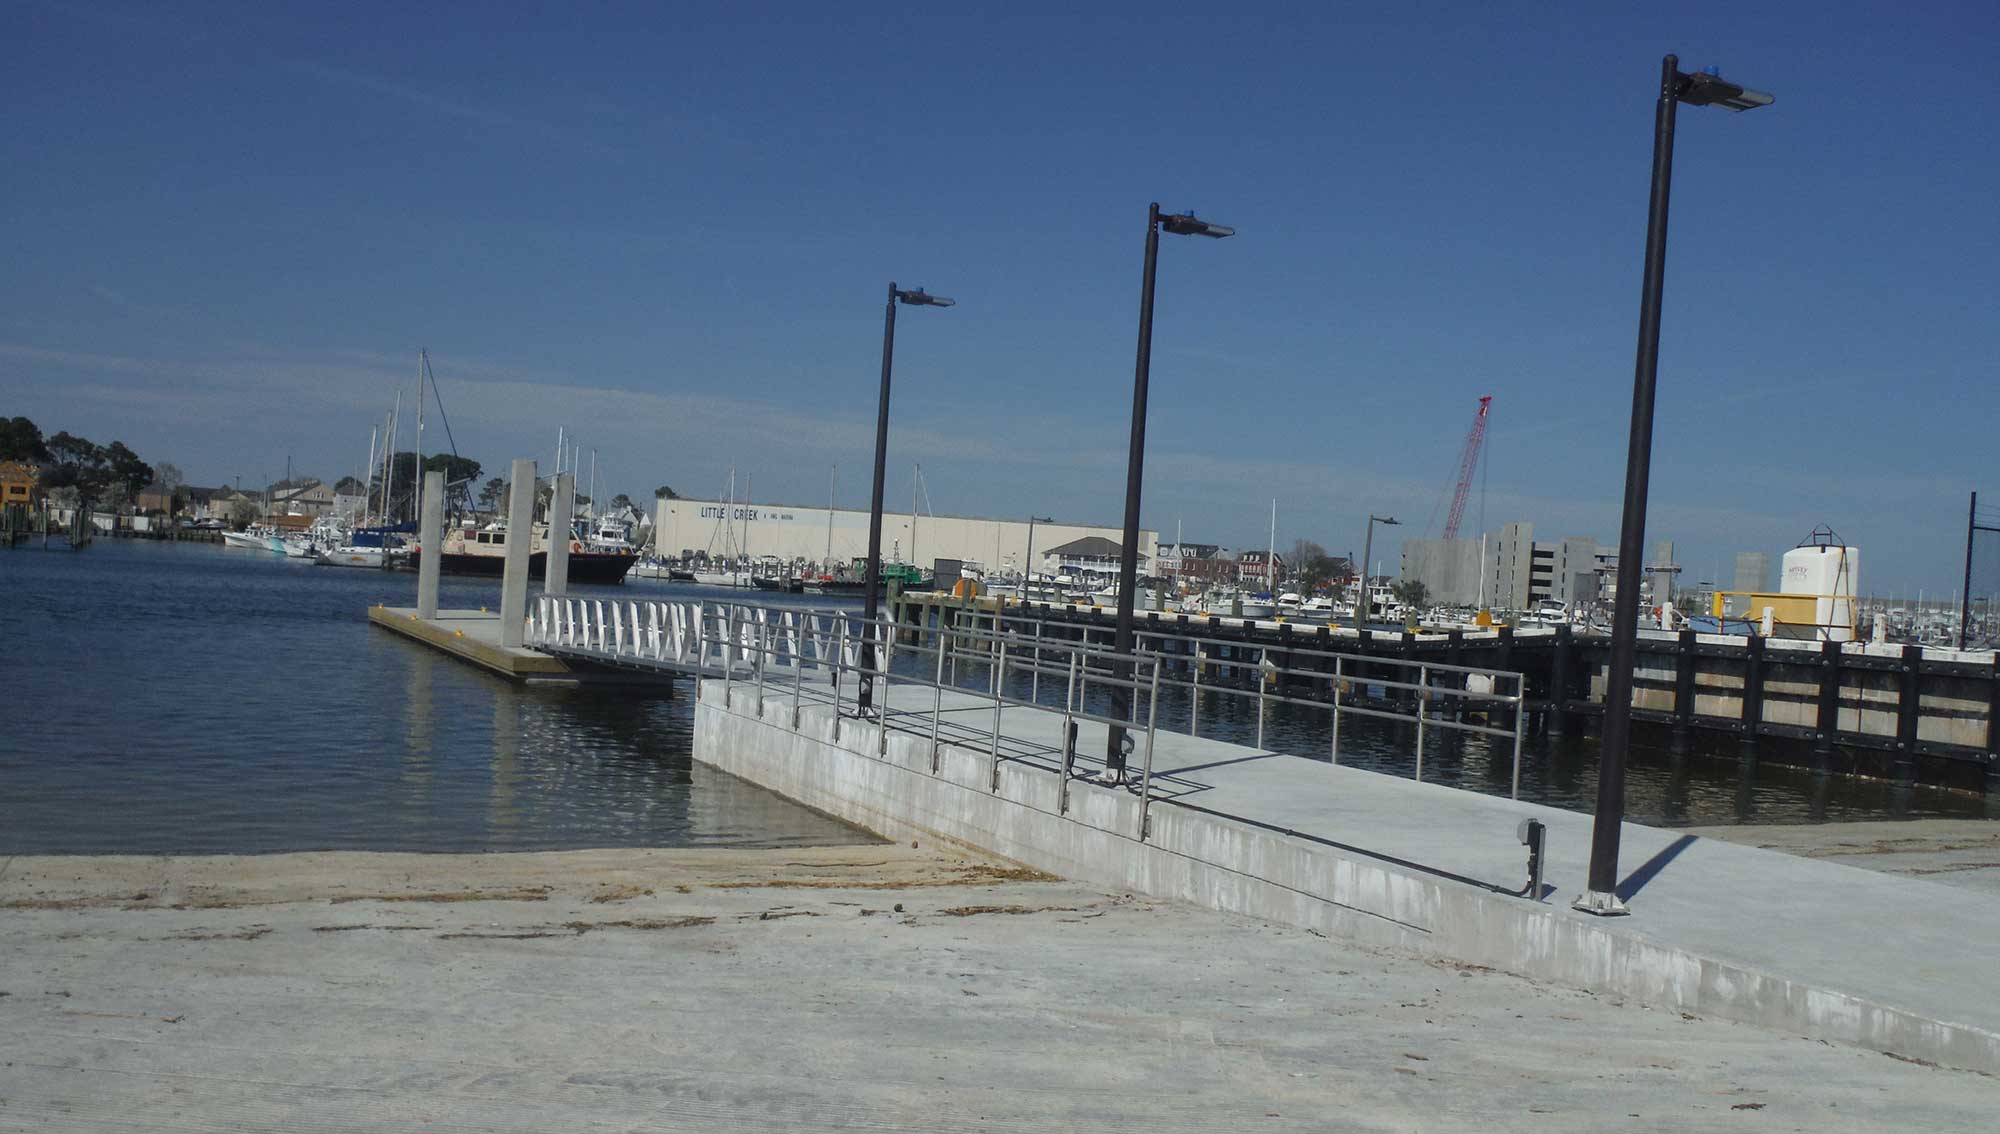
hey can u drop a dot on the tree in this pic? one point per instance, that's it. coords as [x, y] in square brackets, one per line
[76, 462]
[622, 501]
[456, 469]
[349, 486]
[125, 469]
[493, 495]
[1412, 594]
[242, 512]
[665, 493]
[1312, 566]
[21, 440]
[170, 478]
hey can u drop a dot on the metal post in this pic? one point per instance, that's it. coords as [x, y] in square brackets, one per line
[1262, 681]
[1965, 596]
[763, 648]
[798, 676]
[1423, 706]
[865, 699]
[839, 664]
[1602, 895]
[1135, 463]
[1068, 738]
[1035, 693]
[937, 696]
[1520, 722]
[1146, 776]
[1337, 682]
[999, 683]
[1194, 695]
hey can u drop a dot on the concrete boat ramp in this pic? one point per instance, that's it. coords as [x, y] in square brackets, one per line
[1823, 950]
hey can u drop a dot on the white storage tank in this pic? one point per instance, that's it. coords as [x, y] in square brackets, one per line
[1832, 572]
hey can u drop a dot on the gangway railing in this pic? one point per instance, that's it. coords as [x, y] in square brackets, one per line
[768, 645]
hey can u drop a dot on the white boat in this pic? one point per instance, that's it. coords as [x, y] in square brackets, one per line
[1228, 602]
[722, 578]
[256, 537]
[349, 557]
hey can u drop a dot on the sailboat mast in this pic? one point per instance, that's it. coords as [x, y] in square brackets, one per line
[1271, 553]
[746, 517]
[832, 478]
[370, 468]
[417, 504]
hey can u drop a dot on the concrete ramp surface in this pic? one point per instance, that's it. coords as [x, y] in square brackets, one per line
[1824, 950]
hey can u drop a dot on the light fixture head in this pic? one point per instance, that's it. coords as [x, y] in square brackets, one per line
[921, 298]
[1707, 88]
[1187, 224]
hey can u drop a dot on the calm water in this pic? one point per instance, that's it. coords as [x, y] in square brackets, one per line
[191, 698]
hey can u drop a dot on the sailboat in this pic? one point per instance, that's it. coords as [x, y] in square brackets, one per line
[726, 572]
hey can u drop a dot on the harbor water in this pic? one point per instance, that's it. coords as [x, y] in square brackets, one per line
[182, 698]
[191, 698]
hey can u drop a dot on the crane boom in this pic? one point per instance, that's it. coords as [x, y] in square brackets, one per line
[1466, 464]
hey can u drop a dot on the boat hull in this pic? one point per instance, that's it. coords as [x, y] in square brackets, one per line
[584, 566]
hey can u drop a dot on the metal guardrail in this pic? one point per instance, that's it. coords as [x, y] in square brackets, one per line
[760, 644]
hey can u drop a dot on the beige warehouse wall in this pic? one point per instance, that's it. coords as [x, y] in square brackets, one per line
[792, 533]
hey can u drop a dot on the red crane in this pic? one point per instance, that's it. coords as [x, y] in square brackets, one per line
[1466, 465]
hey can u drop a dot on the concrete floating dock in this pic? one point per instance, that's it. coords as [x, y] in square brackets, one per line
[1823, 950]
[474, 636]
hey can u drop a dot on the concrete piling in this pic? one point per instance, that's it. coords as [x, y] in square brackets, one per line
[562, 513]
[520, 542]
[430, 542]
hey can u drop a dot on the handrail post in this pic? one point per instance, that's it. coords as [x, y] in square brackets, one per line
[882, 703]
[999, 684]
[1146, 775]
[839, 669]
[1035, 694]
[1069, 727]
[1263, 679]
[937, 697]
[798, 673]
[1194, 694]
[1520, 718]
[763, 647]
[1423, 700]
[1334, 756]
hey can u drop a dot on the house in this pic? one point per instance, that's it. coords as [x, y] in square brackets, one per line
[155, 497]
[17, 482]
[218, 503]
[1091, 555]
[305, 496]
[1207, 562]
[1261, 569]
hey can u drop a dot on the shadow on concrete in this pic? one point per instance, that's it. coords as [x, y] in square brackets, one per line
[1649, 869]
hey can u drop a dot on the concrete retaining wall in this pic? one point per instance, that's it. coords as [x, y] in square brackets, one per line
[1240, 868]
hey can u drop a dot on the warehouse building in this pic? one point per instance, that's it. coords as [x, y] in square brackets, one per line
[718, 530]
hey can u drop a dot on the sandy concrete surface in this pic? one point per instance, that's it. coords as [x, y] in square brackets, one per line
[1956, 852]
[785, 990]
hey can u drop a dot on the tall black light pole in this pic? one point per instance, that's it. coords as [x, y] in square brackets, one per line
[1362, 604]
[1706, 89]
[870, 606]
[1180, 224]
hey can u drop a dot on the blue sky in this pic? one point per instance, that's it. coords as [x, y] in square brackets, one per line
[669, 229]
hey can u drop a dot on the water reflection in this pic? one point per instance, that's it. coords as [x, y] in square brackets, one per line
[250, 708]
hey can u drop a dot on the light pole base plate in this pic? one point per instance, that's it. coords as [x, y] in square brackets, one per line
[1601, 904]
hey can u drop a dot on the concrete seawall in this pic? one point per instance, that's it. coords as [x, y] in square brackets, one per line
[1418, 867]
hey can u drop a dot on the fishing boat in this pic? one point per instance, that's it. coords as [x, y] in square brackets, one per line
[483, 551]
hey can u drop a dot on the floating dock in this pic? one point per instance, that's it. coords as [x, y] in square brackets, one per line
[473, 636]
